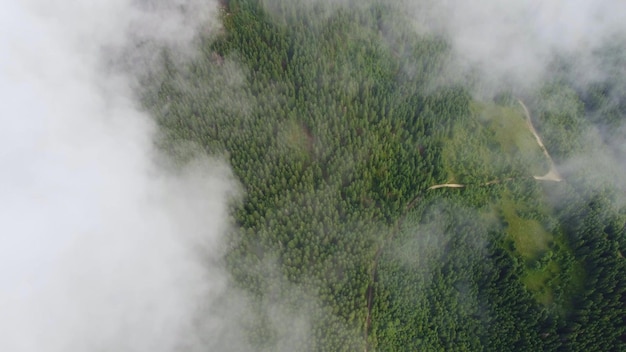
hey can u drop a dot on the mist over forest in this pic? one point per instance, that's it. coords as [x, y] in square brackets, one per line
[312, 175]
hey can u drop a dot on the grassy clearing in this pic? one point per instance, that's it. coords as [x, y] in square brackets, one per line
[549, 274]
[553, 279]
[530, 238]
[494, 143]
[538, 281]
[508, 127]
[536, 246]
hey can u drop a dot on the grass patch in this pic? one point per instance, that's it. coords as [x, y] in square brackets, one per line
[530, 238]
[493, 143]
[508, 127]
[544, 275]
[538, 280]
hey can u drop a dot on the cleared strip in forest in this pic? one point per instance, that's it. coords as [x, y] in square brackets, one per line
[553, 173]
[373, 279]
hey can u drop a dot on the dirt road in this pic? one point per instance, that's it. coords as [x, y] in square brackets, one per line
[553, 173]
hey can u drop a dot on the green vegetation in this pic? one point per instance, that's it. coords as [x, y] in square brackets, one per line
[531, 240]
[333, 124]
[494, 144]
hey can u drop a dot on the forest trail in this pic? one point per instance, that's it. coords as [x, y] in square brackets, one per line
[551, 175]
[459, 185]
[449, 185]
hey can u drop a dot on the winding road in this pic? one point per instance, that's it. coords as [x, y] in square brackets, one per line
[552, 174]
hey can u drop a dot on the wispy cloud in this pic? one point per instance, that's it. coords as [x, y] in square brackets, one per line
[100, 249]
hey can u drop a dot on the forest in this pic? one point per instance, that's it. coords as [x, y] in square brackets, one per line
[337, 127]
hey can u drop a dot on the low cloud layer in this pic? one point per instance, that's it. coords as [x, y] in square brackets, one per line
[514, 42]
[100, 249]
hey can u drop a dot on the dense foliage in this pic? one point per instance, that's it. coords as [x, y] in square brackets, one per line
[336, 128]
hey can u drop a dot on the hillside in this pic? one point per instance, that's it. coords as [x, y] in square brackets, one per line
[339, 130]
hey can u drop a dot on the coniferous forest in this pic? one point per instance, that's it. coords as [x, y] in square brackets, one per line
[337, 125]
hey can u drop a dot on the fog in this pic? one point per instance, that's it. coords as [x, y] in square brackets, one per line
[515, 42]
[501, 45]
[104, 248]
[100, 248]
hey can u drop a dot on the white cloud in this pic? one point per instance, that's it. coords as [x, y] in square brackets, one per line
[514, 41]
[99, 248]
